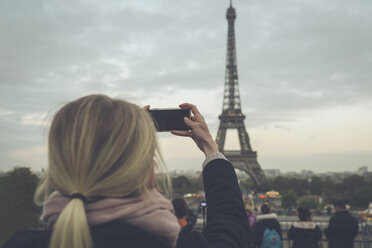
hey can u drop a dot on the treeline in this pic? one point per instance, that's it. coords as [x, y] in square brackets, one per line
[182, 185]
[353, 189]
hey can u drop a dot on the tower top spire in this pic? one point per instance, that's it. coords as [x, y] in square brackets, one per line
[230, 14]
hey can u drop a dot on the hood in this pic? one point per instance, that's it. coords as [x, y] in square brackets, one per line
[305, 225]
[266, 216]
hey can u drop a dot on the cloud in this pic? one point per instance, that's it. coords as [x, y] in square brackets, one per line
[4, 112]
[36, 119]
[281, 127]
[293, 57]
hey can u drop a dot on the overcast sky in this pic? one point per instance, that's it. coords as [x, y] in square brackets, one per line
[305, 72]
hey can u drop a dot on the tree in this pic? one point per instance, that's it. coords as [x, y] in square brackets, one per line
[309, 203]
[316, 185]
[350, 189]
[362, 197]
[289, 199]
[246, 185]
[17, 209]
[182, 185]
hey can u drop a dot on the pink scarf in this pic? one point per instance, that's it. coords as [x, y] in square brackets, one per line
[153, 213]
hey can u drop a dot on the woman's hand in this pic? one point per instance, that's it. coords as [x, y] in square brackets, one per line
[199, 130]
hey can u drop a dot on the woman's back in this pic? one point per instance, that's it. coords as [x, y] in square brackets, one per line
[305, 235]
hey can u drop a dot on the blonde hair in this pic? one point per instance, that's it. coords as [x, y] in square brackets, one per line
[249, 203]
[98, 147]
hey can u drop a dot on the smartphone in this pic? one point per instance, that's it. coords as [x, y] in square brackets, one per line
[170, 119]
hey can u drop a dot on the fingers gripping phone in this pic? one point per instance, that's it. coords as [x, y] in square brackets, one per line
[170, 119]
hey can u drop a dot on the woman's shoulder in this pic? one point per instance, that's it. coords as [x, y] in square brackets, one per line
[109, 235]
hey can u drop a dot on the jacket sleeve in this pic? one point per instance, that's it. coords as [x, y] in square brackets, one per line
[280, 231]
[318, 233]
[277, 227]
[328, 232]
[290, 233]
[227, 222]
[258, 232]
[355, 229]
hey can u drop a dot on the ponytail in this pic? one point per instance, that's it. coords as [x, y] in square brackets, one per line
[71, 229]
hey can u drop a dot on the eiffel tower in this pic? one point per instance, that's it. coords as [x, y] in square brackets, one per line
[232, 117]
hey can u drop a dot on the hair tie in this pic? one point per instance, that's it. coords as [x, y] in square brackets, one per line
[79, 196]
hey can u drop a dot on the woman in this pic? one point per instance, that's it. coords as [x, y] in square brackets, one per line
[186, 218]
[180, 210]
[268, 232]
[102, 155]
[305, 233]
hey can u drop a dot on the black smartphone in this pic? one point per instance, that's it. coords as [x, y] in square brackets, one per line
[170, 119]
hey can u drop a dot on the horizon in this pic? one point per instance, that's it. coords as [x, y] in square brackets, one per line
[191, 170]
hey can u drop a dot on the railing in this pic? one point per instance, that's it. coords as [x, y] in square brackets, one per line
[324, 243]
[363, 240]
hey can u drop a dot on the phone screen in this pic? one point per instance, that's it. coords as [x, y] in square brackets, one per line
[170, 119]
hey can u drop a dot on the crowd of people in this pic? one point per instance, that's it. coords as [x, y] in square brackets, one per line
[266, 231]
[100, 189]
[340, 233]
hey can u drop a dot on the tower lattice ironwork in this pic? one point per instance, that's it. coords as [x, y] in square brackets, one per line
[232, 117]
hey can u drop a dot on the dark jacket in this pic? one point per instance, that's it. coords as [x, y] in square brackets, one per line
[227, 224]
[114, 234]
[305, 235]
[342, 230]
[266, 221]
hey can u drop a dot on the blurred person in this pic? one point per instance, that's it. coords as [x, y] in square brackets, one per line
[186, 218]
[268, 233]
[342, 228]
[180, 210]
[305, 233]
[249, 209]
[99, 189]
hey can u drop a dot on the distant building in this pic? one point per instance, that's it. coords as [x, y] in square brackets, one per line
[362, 170]
[307, 174]
[272, 173]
